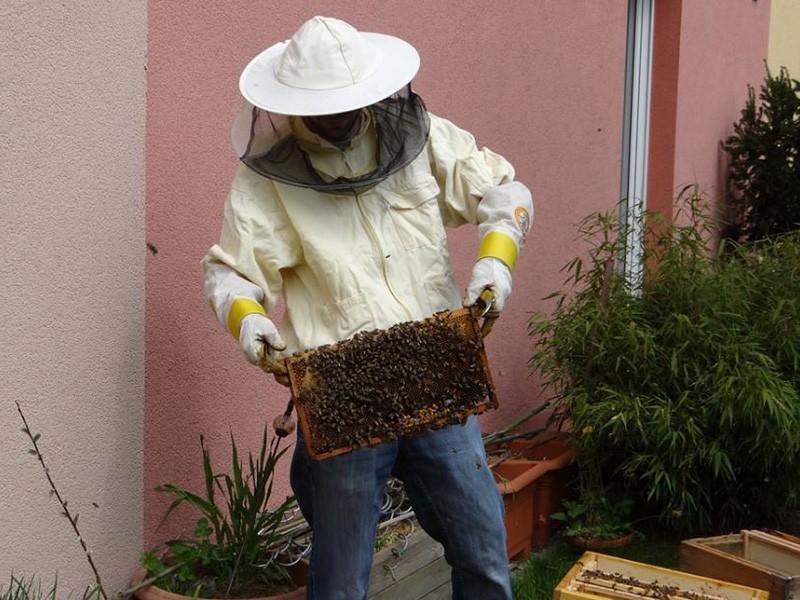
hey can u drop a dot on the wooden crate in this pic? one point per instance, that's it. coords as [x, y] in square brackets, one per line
[419, 572]
[580, 584]
[769, 561]
[304, 382]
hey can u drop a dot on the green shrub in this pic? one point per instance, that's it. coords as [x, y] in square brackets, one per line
[765, 160]
[684, 391]
[774, 267]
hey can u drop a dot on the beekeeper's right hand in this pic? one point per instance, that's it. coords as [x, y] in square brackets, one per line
[238, 305]
[259, 340]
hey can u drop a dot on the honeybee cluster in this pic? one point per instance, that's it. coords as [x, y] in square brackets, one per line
[405, 380]
[617, 585]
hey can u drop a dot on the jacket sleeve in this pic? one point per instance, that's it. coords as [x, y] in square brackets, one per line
[478, 187]
[242, 273]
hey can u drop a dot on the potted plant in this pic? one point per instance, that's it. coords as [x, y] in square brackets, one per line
[230, 554]
[596, 524]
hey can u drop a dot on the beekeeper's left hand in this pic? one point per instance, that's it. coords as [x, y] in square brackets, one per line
[491, 273]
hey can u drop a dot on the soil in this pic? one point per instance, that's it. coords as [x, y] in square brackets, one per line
[384, 384]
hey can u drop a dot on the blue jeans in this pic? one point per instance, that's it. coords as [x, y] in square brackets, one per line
[453, 493]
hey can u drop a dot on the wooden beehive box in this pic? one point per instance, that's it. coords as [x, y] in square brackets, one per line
[769, 561]
[418, 572]
[598, 576]
[380, 385]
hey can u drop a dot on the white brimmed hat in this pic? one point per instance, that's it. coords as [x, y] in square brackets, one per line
[328, 67]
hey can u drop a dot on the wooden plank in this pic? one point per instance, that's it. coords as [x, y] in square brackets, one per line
[566, 588]
[776, 558]
[419, 583]
[732, 543]
[778, 541]
[786, 536]
[710, 561]
[388, 568]
[779, 555]
[784, 540]
[443, 592]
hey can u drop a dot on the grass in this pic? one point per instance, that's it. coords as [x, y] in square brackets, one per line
[537, 577]
[20, 588]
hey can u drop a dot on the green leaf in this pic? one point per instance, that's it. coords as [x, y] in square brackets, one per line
[202, 529]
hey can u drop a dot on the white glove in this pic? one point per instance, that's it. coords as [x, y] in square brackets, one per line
[257, 336]
[491, 273]
[258, 340]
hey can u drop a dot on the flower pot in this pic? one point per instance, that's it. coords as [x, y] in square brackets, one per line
[600, 544]
[153, 592]
[553, 451]
[515, 481]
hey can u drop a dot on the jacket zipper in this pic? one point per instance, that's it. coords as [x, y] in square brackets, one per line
[376, 242]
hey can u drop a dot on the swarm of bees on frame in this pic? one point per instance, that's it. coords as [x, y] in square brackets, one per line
[408, 379]
[616, 585]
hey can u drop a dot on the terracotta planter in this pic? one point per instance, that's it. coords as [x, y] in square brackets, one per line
[595, 544]
[553, 451]
[153, 592]
[515, 481]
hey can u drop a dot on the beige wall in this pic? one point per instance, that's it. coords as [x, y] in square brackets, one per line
[72, 116]
[784, 36]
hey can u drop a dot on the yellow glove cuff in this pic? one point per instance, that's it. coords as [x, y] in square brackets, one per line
[240, 308]
[500, 246]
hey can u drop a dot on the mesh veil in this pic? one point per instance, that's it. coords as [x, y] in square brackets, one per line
[265, 142]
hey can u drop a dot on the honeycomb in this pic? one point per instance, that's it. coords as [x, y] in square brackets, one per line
[381, 385]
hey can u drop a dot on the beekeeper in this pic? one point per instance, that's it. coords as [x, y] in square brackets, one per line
[341, 200]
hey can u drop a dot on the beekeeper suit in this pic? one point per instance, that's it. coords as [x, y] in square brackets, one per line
[341, 200]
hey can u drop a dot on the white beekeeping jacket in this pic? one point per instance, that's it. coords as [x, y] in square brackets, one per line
[352, 262]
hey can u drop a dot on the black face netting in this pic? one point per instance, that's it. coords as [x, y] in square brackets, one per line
[265, 143]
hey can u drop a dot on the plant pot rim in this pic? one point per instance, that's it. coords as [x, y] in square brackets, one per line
[587, 543]
[559, 460]
[515, 485]
[153, 592]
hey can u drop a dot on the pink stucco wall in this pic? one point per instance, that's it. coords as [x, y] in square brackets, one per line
[541, 82]
[722, 48]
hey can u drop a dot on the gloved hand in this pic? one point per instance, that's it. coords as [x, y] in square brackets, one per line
[492, 273]
[258, 337]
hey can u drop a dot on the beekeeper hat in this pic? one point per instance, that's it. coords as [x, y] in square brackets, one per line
[328, 67]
